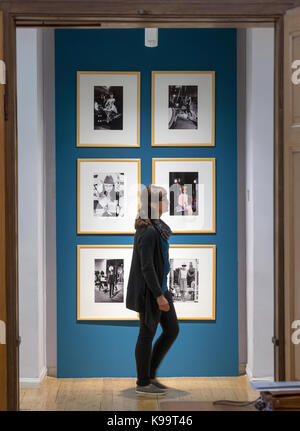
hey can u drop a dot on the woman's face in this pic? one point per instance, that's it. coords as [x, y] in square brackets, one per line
[108, 187]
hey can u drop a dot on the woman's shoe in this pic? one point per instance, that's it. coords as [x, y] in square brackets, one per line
[158, 384]
[150, 389]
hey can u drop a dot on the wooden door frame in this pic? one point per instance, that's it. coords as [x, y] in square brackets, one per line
[133, 14]
[3, 347]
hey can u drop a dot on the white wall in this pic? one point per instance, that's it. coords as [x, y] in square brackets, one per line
[31, 206]
[37, 208]
[259, 201]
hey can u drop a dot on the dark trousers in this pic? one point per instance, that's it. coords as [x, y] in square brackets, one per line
[111, 289]
[148, 359]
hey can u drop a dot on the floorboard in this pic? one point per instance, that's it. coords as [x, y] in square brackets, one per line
[117, 394]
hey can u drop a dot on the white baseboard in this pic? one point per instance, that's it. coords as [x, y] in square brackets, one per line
[257, 379]
[33, 382]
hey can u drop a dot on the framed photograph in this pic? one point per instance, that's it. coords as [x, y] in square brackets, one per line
[107, 195]
[183, 108]
[190, 183]
[108, 109]
[192, 281]
[102, 277]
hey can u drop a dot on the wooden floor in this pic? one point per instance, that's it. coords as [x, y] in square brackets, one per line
[115, 394]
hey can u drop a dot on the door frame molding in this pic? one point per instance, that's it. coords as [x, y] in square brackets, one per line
[123, 14]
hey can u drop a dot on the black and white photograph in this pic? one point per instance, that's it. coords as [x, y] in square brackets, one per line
[109, 280]
[183, 187]
[183, 107]
[108, 107]
[190, 184]
[184, 280]
[108, 194]
[192, 280]
[102, 277]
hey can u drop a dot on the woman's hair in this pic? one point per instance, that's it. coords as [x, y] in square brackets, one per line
[149, 205]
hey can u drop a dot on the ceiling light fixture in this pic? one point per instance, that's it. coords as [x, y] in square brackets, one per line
[151, 37]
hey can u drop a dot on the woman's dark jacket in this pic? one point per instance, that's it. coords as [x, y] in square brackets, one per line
[146, 274]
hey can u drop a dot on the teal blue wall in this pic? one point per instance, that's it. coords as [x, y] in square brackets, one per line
[106, 349]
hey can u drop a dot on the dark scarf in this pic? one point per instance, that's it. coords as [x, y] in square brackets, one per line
[162, 228]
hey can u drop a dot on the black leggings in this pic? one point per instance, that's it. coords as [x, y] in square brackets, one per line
[148, 360]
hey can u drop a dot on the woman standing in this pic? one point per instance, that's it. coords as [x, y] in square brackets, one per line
[147, 291]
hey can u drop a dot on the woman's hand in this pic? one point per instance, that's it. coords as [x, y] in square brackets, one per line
[163, 304]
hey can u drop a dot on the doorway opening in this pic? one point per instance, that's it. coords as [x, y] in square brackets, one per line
[249, 97]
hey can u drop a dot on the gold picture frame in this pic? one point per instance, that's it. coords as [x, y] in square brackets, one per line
[131, 315]
[160, 118]
[164, 181]
[86, 222]
[84, 122]
[211, 315]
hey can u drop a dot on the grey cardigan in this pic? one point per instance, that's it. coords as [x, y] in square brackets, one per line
[146, 274]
